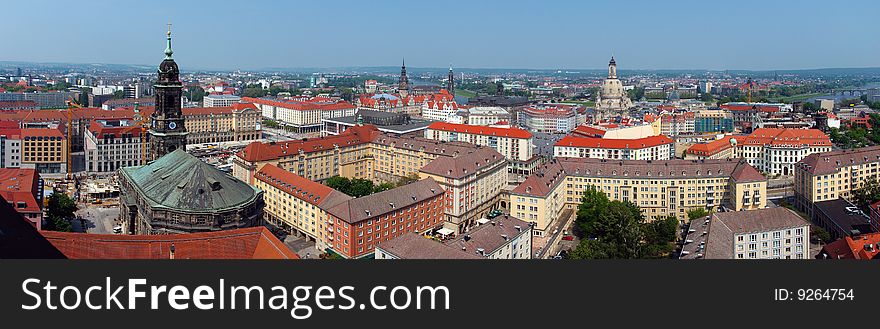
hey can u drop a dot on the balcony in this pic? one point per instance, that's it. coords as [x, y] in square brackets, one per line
[746, 202]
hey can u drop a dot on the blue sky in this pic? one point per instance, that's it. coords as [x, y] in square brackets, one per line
[544, 34]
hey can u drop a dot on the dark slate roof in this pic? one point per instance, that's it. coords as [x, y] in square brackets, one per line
[182, 182]
[464, 164]
[846, 219]
[355, 210]
[414, 246]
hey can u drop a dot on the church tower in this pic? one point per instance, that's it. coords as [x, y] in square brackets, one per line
[450, 82]
[612, 69]
[403, 83]
[167, 128]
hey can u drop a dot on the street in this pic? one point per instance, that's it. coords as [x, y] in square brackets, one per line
[98, 219]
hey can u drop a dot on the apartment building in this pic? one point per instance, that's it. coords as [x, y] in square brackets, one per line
[361, 224]
[831, 175]
[235, 123]
[649, 148]
[771, 233]
[674, 124]
[473, 182]
[487, 115]
[713, 121]
[44, 149]
[112, 144]
[776, 150]
[297, 205]
[302, 116]
[514, 143]
[659, 188]
[358, 152]
[550, 118]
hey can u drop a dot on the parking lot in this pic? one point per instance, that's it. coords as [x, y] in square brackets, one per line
[97, 218]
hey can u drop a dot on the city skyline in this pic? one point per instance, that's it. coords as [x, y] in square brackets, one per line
[772, 36]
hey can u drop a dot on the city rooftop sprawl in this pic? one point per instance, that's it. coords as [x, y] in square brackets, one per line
[437, 163]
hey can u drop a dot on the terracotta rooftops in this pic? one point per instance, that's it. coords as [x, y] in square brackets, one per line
[315, 193]
[260, 151]
[713, 147]
[245, 243]
[301, 106]
[787, 137]
[864, 247]
[481, 130]
[415, 246]
[592, 142]
[17, 186]
[42, 132]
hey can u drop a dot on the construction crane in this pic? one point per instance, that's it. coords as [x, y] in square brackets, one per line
[71, 104]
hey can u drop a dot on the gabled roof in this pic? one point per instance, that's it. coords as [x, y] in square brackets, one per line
[724, 226]
[713, 147]
[415, 246]
[356, 210]
[315, 193]
[854, 247]
[465, 164]
[787, 137]
[182, 182]
[829, 162]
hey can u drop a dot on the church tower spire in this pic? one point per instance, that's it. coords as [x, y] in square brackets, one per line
[612, 68]
[450, 81]
[167, 127]
[403, 83]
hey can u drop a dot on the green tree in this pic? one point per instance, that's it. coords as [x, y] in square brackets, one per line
[697, 213]
[818, 233]
[867, 194]
[254, 92]
[195, 93]
[382, 187]
[593, 203]
[59, 212]
[119, 94]
[338, 183]
[411, 178]
[618, 233]
[360, 187]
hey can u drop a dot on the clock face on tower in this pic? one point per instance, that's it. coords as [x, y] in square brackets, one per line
[172, 125]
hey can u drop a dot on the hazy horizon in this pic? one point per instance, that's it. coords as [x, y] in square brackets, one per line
[521, 35]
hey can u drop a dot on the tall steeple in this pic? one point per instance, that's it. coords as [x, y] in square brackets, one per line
[167, 127]
[450, 81]
[403, 83]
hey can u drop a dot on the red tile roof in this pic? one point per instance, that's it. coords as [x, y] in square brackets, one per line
[588, 131]
[854, 248]
[18, 185]
[300, 187]
[592, 142]
[481, 130]
[99, 130]
[245, 243]
[787, 137]
[42, 132]
[713, 147]
[260, 151]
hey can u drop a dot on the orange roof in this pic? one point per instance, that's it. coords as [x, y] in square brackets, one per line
[300, 187]
[854, 248]
[17, 185]
[99, 130]
[787, 136]
[481, 130]
[588, 131]
[245, 243]
[712, 147]
[593, 142]
[260, 151]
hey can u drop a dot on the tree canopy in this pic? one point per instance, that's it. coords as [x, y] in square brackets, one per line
[617, 229]
[61, 209]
